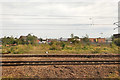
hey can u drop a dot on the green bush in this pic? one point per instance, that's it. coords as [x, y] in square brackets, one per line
[52, 48]
[63, 45]
[85, 48]
[117, 41]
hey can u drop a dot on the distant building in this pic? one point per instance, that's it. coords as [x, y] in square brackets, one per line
[92, 40]
[78, 39]
[0, 44]
[42, 42]
[38, 41]
[108, 40]
[97, 40]
[63, 39]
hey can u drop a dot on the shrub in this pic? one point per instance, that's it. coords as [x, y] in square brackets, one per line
[52, 48]
[63, 45]
[85, 48]
[117, 41]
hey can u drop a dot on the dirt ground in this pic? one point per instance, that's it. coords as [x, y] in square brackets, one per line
[52, 58]
[61, 71]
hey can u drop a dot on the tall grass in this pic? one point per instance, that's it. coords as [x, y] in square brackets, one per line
[19, 49]
[62, 47]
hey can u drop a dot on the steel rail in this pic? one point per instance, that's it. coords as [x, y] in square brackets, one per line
[79, 62]
[61, 56]
[61, 64]
[60, 61]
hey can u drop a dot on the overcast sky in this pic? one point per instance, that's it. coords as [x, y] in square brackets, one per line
[58, 18]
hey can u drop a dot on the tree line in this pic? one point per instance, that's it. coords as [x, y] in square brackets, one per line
[29, 39]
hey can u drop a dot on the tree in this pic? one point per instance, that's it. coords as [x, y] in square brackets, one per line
[8, 40]
[85, 39]
[21, 41]
[76, 37]
[72, 35]
[40, 39]
[31, 39]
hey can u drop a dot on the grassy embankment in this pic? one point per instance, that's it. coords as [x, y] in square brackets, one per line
[61, 48]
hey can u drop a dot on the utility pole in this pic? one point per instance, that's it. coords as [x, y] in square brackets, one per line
[118, 26]
[101, 34]
[91, 19]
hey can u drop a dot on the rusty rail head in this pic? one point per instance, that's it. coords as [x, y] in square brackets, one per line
[70, 55]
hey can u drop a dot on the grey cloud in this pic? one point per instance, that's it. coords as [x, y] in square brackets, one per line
[66, 13]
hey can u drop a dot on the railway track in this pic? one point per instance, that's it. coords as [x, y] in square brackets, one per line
[81, 55]
[73, 62]
[16, 62]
